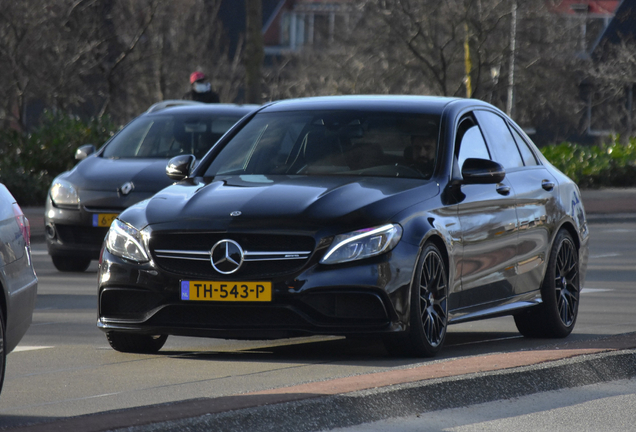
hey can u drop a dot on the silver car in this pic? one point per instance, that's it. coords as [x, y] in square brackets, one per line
[18, 281]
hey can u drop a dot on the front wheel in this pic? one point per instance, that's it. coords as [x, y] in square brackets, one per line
[136, 343]
[429, 308]
[560, 291]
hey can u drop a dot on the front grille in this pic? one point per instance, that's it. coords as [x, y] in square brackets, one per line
[84, 235]
[267, 255]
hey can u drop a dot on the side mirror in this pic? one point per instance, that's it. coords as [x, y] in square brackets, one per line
[482, 171]
[84, 151]
[179, 167]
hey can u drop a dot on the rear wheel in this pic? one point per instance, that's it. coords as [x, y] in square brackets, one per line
[429, 308]
[556, 316]
[136, 343]
[70, 264]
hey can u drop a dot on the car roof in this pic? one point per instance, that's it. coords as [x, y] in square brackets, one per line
[201, 108]
[389, 103]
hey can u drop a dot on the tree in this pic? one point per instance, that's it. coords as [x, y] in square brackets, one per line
[253, 50]
[612, 79]
[421, 47]
[116, 57]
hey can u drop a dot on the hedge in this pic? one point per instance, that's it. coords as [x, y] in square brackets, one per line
[29, 163]
[610, 164]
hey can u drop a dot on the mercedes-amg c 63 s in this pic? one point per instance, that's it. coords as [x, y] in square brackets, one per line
[392, 216]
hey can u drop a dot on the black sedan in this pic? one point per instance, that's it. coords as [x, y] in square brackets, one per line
[352, 215]
[129, 168]
[18, 283]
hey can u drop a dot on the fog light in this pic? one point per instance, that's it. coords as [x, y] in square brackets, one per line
[49, 230]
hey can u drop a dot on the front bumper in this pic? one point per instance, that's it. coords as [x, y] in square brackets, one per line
[76, 232]
[366, 297]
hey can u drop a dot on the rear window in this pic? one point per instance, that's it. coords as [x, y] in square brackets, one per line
[166, 136]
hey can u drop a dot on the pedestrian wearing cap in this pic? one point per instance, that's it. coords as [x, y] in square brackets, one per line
[200, 89]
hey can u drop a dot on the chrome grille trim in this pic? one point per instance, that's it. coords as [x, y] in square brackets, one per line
[182, 252]
[249, 255]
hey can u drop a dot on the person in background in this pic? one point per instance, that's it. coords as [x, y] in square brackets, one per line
[200, 89]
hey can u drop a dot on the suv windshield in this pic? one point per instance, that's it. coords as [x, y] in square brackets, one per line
[165, 136]
[332, 143]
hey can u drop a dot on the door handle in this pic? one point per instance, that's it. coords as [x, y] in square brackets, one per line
[547, 185]
[503, 189]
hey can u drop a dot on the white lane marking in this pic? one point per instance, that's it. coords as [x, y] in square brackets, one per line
[39, 252]
[595, 290]
[609, 255]
[21, 348]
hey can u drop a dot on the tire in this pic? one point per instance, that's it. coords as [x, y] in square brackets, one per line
[136, 343]
[3, 352]
[429, 308]
[556, 316]
[70, 264]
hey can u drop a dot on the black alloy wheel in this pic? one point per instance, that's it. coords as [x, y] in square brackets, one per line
[135, 343]
[556, 316]
[433, 306]
[429, 308]
[566, 282]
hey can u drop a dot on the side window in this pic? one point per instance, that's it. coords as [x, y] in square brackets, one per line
[471, 142]
[528, 156]
[499, 139]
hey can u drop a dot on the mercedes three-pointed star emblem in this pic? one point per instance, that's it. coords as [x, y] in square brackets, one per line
[226, 256]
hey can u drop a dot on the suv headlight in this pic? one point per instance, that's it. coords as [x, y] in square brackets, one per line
[127, 242]
[362, 244]
[64, 193]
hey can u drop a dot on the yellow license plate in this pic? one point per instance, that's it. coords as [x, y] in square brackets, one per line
[104, 219]
[226, 291]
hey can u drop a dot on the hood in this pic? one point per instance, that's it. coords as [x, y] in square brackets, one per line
[100, 174]
[280, 202]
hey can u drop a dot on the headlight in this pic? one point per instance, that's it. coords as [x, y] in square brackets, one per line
[362, 244]
[63, 193]
[126, 242]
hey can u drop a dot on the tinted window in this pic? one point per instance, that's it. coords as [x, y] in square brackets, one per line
[472, 145]
[499, 139]
[167, 136]
[528, 156]
[332, 143]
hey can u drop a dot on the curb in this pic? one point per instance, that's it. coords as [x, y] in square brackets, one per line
[611, 218]
[409, 399]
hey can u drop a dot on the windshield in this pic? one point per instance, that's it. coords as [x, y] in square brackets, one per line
[332, 143]
[165, 136]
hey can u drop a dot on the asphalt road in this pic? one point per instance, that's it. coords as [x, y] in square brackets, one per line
[64, 366]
